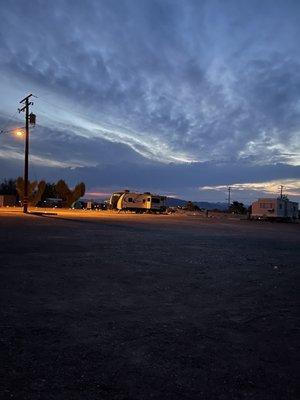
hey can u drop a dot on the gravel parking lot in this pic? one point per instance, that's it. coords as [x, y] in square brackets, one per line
[138, 307]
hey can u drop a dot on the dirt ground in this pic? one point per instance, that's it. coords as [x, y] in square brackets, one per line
[135, 307]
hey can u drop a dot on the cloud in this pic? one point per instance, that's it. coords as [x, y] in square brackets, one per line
[196, 181]
[254, 190]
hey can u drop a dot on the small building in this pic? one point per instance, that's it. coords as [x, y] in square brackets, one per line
[7, 200]
[274, 208]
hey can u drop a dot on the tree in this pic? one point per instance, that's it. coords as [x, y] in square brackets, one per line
[62, 190]
[49, 191]
[237, 208]
[37, 194]
[20, 187]
[79, 191]
[35, 190]
[68, 195]
[8, 187]
[190, 206]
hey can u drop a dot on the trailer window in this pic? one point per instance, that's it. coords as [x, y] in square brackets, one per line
[130, 200]
[266, 205]
[155, 200]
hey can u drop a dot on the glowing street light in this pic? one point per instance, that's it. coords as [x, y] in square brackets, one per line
[19, 133]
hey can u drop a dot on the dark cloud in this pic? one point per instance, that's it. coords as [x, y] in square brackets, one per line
[119, 167]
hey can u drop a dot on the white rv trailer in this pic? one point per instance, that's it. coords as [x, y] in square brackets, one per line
[138, 202]
[270, 208]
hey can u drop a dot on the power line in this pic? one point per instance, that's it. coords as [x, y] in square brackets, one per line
[87, 117]
[11, 130]
[6, 125]
[65, 109]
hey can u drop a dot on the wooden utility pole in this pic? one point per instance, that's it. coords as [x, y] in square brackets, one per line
[25, 108]
[229, 200]
[281, 187]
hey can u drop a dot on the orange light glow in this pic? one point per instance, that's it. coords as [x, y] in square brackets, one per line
[19, 133]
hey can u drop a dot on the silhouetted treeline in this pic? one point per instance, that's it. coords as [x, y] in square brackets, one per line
[38, 192]
[8, 186]
[237, 208]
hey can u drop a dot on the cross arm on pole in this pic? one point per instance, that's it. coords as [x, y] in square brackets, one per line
[30, 103]
[25, 98]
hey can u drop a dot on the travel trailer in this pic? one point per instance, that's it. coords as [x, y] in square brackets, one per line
[269, 208]
[138, 202]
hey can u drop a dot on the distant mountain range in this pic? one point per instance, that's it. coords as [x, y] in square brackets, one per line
[172, 202]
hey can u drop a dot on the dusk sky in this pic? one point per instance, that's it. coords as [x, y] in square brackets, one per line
[180, 98]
